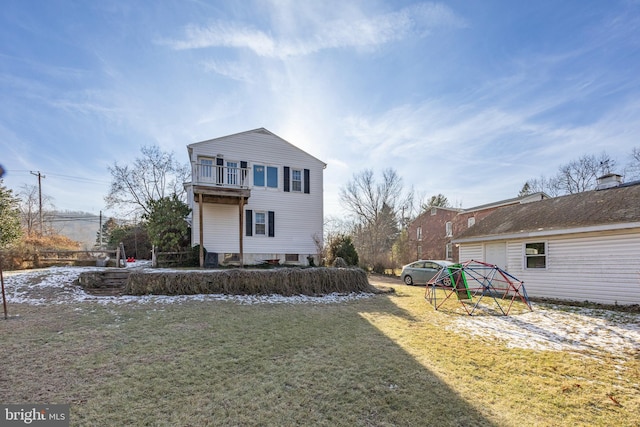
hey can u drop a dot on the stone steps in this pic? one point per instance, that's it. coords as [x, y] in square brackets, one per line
[104, 283]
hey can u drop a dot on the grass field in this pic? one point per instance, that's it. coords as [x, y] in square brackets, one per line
[380, 361]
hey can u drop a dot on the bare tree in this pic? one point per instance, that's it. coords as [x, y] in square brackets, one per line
[550, 186]
[155, 175]
[573, 177]
[581, 175]
[632, 170]
[30, 209]
[376, 208]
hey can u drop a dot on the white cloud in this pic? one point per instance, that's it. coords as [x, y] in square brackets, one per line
[416, 20]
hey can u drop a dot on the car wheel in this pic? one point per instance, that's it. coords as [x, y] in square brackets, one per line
[408, 280]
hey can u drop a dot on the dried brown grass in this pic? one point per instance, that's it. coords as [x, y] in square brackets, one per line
[282, 281]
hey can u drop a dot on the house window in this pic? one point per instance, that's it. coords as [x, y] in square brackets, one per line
[448, 251]
[296, 180]
[419, 233]
[471, 221]
[272, 177]
[535, 255]
[291, 258]
[433, 211]
[261, 224]
[448, 229]
[419, 254]
[232, 173]
[206, 168]
[259, 176]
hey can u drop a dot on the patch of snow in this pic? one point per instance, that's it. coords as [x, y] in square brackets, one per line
[562, 328]
[55, 286]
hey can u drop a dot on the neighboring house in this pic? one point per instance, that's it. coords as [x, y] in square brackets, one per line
[432, 232]
[580, 247]
[254, 198]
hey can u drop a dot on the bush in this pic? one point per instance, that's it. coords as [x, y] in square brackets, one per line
[341, 246]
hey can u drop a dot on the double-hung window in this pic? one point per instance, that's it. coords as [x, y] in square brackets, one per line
[535, 255]
[261, 224]
[296, 180]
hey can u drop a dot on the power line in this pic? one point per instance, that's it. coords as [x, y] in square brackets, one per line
[63, 177]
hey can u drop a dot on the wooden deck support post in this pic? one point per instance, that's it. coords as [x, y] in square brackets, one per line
[200, 231]
[241, 222]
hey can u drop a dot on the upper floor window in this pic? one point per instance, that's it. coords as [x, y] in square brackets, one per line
[296, 180]
[471, 221]
[232, 173]
[265, 176]
[206, 168]
[419, 233]
[434, 211]
[448, 227]
[535, 255]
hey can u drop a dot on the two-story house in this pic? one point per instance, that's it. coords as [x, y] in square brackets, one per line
[254, 198]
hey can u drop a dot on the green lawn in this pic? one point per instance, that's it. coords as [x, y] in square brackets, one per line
[385, 360]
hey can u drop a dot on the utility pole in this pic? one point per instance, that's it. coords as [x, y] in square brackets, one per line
[100, 231]
[40, 176]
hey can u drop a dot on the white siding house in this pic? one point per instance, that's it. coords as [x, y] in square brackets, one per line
[254, 198]
[580, 247]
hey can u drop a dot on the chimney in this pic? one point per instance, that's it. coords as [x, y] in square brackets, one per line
[609, 180]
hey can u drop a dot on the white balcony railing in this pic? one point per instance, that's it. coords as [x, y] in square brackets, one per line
[223, 176]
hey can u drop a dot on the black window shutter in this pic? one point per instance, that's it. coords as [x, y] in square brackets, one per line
[249, 222]
[272, 224]
[286, 178]
[306, 181]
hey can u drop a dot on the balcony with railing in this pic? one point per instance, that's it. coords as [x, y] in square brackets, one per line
[220, 184]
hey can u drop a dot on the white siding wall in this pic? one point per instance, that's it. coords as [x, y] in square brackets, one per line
[471, 251]
[596, 267]
[298, 216]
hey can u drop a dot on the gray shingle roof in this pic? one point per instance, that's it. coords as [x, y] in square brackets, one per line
[617, 205]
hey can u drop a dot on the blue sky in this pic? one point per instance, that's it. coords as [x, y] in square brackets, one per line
[465, 98]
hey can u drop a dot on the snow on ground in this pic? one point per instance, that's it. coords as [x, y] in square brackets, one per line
[55, 285]
[560, 327]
